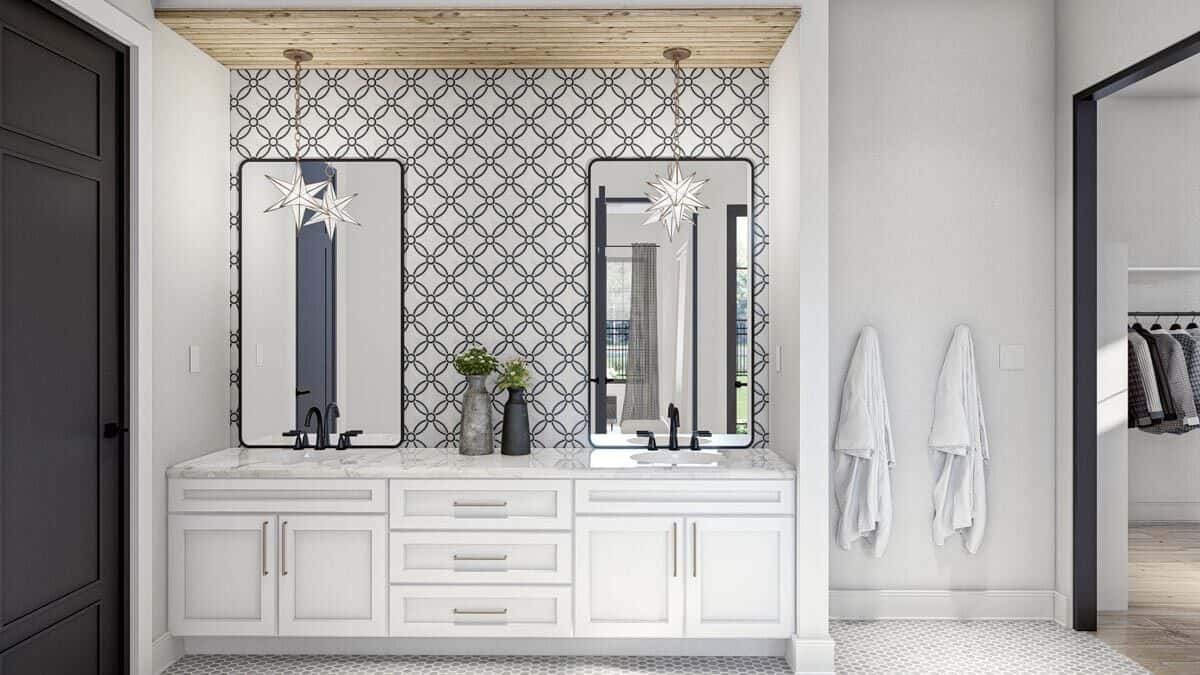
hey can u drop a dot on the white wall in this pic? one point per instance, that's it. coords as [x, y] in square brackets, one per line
[191, 269]
[1094, 39]
[1150, 202]
[942, 212]
[799, 310]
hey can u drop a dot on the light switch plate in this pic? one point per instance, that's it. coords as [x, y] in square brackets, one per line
[194, 359]
[1012, 357]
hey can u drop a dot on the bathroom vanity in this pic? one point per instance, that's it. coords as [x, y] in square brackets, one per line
[428, 543]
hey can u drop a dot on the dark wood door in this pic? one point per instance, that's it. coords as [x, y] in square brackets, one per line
[62, 541]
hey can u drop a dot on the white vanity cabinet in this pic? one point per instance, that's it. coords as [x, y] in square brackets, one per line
[425, 543]
[293, 571]
[728, 574]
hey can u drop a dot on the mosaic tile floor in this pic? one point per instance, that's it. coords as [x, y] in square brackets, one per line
[864, 648]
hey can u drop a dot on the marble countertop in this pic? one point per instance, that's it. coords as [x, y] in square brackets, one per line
[751, 463]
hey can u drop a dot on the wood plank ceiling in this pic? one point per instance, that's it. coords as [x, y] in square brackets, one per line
[488, 38]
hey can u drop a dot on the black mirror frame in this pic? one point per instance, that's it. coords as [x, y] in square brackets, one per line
[591, 296]
[235, 339]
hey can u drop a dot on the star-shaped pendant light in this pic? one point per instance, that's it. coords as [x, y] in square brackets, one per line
[674, 198]
[330, 210]
[296, 194]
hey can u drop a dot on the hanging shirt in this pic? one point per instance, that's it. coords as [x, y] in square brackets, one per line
[1191, 353]
[1145, 368]
[1158, 362]
[1139, 411]
[1178, 383]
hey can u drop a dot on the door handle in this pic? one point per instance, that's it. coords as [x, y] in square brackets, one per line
[674, 549]
[264, 548]
[480, 557]
[480, 504]
[481, 611]
[283, 549]
[695, 548]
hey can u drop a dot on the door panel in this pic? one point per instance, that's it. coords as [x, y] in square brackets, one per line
[332, 575]
[740, 577]
[62, 112]
[222, 575]
[628, 576]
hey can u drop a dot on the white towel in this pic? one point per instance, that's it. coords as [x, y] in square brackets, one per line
[960, 434]
[863, 476]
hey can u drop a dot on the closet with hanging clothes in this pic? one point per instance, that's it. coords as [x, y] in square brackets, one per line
[1164, 374]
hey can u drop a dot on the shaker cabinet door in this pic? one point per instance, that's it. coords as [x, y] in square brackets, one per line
[629, 576]
[222, 574]
[740, 577]
[332, 575]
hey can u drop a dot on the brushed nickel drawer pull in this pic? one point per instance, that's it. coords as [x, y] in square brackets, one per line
[674, 549]
[264, 548]
[480, 557]
[283, 549]
[481, 504]
[489, 612]
[695, 548]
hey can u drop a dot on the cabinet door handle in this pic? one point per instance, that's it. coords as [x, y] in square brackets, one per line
[481, 611]
[264, 548]
[674, 549]
[283, 548]
[480, 504]
[480, 557]
[695, 547]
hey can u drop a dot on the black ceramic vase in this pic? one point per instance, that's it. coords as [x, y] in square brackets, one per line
[515, 437]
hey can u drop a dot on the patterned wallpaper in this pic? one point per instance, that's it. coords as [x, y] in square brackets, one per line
[497, 217]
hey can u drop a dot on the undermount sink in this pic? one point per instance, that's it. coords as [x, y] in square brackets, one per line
[663, 439]
[680, 457]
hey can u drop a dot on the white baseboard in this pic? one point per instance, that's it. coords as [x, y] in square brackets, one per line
[941, 604]
[811, 655]
[1062, 610]
[167, 649]
[489, 646]
[1164, 511]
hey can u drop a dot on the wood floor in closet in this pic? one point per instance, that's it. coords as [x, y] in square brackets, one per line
[1161, 630]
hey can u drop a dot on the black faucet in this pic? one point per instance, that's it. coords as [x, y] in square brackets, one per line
[322, 440]
[673, 418]
[332, 412]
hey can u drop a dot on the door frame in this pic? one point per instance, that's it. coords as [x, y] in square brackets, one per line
[1085, 252]
[138, 40]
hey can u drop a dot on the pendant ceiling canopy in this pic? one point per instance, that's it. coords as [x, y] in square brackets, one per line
[488, 38]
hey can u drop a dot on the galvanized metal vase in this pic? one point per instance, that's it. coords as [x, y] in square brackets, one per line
[477, 435]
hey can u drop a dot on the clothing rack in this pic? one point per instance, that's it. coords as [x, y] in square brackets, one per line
[1187, 313]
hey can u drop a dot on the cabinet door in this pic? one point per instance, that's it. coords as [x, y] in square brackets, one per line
[629, 576]
[740, 577]
[331, 575]
[222, 574]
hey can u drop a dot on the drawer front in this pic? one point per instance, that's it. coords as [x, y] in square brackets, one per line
[480, 505]
[277, 495]
[480, 611]
[715, 497]
[474, 558]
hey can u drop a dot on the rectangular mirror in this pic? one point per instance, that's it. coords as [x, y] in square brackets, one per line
[671, 317]
[321, 318]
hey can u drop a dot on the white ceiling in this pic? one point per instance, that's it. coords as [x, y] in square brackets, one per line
[1180, 80]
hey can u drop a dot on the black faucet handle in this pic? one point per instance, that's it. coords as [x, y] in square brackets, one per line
[300, 443]
[344, 438]
[652, 443]
[694, 445]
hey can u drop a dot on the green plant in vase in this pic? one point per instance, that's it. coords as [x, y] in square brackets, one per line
[476, 436]
[514, 376]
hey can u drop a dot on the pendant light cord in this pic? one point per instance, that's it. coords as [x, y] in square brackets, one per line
[676, 71]
[296, 113]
